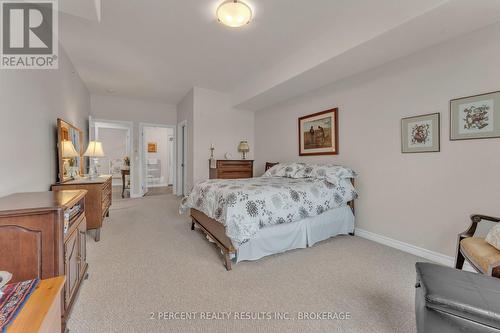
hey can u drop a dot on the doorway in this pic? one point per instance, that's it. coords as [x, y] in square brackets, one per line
[116, 138]
[157, 159]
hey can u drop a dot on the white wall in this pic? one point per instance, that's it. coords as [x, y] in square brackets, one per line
[212, 120]
[422, 199]
[215, 121]
[185, 113]
[32, 100]
[136, 111]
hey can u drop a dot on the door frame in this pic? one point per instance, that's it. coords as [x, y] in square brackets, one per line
[95, 124]
[182, 148]
[142, 156]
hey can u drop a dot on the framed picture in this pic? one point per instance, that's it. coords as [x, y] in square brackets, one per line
[152, 147]
[318, 133]
[420, 134]
[475, 117]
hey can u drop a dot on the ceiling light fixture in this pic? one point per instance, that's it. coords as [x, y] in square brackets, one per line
[234, 13]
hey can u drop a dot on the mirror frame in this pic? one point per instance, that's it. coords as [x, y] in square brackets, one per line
[61, 127]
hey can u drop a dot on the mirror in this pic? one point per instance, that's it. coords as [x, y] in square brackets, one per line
[70, 151]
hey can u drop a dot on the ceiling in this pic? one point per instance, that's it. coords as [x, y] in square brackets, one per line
[160, 49]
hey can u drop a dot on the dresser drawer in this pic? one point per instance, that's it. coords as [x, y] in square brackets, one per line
[237, 164]
[232, 169]
[234, 175]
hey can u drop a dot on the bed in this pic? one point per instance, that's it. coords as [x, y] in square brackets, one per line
[293, 205]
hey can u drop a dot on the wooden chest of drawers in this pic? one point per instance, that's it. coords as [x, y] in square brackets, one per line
[232, 169]
[98, 199]
[40, 244]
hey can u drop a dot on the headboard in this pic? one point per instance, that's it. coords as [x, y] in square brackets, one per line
[269, 165]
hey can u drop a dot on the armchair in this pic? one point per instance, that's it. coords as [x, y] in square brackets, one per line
[483, 257]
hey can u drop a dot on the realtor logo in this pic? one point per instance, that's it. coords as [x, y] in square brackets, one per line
[28, 34]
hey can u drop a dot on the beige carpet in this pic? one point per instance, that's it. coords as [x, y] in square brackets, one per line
[148, 260]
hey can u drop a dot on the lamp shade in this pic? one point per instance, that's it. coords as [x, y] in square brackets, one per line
[243, 147]
[94, 149]
[68, 150]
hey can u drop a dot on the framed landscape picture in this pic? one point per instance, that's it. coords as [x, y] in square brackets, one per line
[475, 117]
[420, 134]
[318, 133]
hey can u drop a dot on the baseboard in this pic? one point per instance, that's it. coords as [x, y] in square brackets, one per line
[412, 249]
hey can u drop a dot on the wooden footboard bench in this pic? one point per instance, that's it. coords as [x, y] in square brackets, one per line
[216, 232]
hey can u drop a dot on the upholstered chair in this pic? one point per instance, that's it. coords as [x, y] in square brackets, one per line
[483, 257]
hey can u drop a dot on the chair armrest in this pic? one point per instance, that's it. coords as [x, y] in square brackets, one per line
[476, 218]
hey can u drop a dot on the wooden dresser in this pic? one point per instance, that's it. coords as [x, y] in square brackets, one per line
[98, 199]
[44, 234]
[232, 169]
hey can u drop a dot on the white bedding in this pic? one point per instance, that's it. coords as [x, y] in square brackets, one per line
[300, 234]
[244, 206]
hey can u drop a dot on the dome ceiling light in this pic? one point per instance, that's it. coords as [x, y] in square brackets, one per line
[234, 13]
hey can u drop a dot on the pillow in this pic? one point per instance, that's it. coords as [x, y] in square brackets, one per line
[284, 170]
[330, 172]
[493, 237]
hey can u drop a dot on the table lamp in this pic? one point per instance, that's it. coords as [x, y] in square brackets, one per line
[94, 151]
[68, 152]
[244, 148]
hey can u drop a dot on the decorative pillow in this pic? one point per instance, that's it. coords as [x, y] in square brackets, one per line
[284, 170]
[331, 172]
[493, 237]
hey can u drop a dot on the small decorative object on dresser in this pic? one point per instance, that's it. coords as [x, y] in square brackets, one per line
[44, 234]
[232, 169]
[244, 148]
[94, 151]
[318, 133]
[98, 199]
[212, 160]
[475, 117]
[420, 134]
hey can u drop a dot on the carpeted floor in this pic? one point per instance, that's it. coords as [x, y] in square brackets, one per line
[149, 261]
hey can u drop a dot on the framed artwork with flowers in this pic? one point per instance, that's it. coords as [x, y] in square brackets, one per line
[420, 134]
[475, 117]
